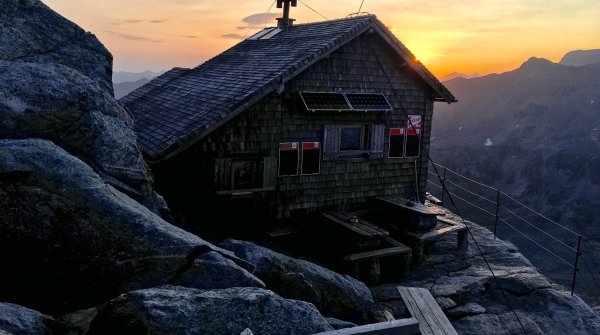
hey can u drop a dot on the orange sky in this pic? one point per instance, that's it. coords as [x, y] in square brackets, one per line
[467, 36]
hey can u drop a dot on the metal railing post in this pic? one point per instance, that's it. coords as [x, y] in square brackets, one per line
[576, 265]
[497, 212]
[443, 185]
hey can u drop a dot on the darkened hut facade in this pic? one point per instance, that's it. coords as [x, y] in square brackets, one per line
[293, 120]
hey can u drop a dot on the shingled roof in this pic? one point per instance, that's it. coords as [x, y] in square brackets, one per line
[181, 106]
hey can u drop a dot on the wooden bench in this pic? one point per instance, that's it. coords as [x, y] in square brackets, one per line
[381, 245]
[443, 227]
[423, 307]
[360, 226]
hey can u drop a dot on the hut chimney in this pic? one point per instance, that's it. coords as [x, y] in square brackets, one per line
[285, 21]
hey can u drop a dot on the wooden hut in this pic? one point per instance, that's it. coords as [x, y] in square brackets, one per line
[296, 119]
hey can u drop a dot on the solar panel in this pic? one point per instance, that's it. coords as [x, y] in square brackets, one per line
[368, 102]
[325, 101]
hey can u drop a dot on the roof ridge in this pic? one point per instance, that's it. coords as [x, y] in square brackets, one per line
[348, 18]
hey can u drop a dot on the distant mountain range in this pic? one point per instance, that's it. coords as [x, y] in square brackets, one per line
[581, 58]
[125, 82]
[123, 76]
[534, 133]
[454, 75]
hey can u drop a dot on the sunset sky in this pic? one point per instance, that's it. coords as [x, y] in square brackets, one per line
[467, 36]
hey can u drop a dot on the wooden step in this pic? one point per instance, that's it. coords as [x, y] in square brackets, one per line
[423, 307]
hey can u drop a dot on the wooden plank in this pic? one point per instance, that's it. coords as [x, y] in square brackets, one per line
[436, 233]
[402, 203]
[378, 253]
[425, 309]
[408, 326]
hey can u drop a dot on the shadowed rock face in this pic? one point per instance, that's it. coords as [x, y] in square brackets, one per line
[56, 84]
[336, 295]
[69, 240]
[178, 310]
[31, 32]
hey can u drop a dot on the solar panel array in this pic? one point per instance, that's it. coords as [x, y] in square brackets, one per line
[344, 102]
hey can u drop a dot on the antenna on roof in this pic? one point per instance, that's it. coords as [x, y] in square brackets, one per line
[285, 21]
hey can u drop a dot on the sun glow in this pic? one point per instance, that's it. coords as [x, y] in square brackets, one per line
[466, 36]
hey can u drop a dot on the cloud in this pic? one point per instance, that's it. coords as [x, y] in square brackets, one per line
[259, 18]
[157, 21]
[191, 36]
[133, 21]
[133, 37]
[233, 36]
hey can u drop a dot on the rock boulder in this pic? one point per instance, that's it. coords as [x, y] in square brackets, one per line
[176, 310]
[335, 295]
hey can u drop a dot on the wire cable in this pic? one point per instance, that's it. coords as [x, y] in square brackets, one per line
[541, 215]
[256, 23]
[309, 7]
[471, 192]
[536, 243]
[540, 230]
[467, 178]
[361, 4]
[472, 204]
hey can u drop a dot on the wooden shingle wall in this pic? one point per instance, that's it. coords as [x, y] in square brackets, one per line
[354, 68]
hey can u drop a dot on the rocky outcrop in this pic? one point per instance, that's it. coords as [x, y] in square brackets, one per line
[56, 85]
[90, 241]
[31, 32]
[18, 320]
[481, 303]
[175, 310]
[334, 295]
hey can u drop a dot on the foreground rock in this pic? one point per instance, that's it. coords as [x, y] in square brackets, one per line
[17, 320]
[335, 295]
[33, 33]
[176, 310]
[68, 240]
[56, 85]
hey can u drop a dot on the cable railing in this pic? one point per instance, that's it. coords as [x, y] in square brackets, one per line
[490, 203]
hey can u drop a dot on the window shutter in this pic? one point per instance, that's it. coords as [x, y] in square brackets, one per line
[377, 140]
[269, 172]
[330, 141]
[223, 174]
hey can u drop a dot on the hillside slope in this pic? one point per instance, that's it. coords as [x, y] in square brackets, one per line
[533, 132]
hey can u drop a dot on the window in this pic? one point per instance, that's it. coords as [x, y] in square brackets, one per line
[288, 159]
[233, 174]
[397, 142]
[353, 141]
[246, 174]
[311, 157]
[352, 138]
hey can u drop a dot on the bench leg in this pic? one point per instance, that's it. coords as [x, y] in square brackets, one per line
[374, 271]
[462, 243]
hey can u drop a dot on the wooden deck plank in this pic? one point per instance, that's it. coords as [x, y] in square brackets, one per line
[425, 309]
[436, 233]
[379, 253]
